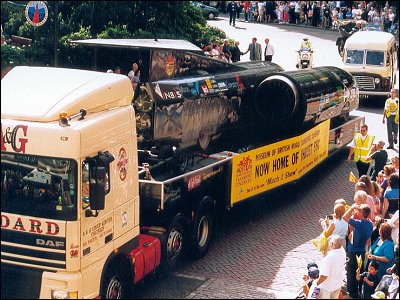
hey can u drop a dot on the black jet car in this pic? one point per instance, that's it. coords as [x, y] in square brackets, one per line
[188, 99]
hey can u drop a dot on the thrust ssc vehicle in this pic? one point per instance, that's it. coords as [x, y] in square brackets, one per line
[188, 99]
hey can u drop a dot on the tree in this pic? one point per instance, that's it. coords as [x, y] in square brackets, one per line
[105, 19]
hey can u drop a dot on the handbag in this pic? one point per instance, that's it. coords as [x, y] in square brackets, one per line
[321, 243]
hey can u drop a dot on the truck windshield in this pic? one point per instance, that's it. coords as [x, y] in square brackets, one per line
[375, 58]
[38, 186]
[354, 57]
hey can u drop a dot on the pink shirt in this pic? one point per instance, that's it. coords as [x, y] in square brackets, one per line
[371, 204]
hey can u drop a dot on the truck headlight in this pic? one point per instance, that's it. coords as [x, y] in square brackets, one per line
[64, 295]
[377, 80]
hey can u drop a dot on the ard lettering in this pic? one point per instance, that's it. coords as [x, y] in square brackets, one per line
[34, 226]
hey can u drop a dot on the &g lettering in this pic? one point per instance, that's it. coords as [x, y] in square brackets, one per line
[10, 137]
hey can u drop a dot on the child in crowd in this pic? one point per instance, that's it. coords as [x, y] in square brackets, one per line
[310, 279]
[369, 279]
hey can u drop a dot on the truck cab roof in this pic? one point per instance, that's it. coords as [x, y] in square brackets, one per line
[63, 91]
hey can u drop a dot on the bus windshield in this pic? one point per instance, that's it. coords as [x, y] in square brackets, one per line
[375, 58]
[38, 186]
[354, 57]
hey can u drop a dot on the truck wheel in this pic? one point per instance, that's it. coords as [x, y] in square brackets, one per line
[203, 229]
[175, 242]
[115, 285]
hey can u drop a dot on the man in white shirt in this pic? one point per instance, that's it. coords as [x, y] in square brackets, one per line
[269, 50]
[332, 269]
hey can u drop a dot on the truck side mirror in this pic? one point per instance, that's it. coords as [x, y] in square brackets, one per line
[97, 188]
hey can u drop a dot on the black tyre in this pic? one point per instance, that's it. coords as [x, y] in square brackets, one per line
[175, 242]
[115, 285]
[203, 229]
[211, 16]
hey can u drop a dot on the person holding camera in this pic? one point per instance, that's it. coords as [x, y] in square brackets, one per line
[334, 224]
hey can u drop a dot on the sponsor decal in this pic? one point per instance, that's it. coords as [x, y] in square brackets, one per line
[124, 218]
[194, 92]
[194, 182]
[172, 95]
[122, 164]
[208, 82]
[36, 13]
[222, 86]
[239, 82]
[205, 89]
[170, 65]
[14, 137]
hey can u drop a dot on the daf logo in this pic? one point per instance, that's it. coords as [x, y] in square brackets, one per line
[49, 243]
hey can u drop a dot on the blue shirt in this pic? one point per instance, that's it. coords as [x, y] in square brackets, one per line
[366, 290]
[362, 230]
[393, 198]
[386, 249]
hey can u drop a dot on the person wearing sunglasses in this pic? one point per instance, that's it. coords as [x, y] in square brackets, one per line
[360, 146]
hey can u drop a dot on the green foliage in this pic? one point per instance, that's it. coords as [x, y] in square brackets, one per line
[11, 56]
[104, 19]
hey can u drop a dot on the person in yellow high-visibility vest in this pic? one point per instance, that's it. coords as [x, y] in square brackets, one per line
[391, 113]
[360, 146]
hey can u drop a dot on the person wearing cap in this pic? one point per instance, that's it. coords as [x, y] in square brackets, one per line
[331, 271]
[310, 279]
[391, 114]
[379, 156]
[361, 146]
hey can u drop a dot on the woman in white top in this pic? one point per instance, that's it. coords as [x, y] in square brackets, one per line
[336, 225]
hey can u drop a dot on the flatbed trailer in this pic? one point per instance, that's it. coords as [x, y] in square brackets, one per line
[209, 183]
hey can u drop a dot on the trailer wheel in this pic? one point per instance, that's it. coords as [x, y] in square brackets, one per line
[203, 229]
[115, 285]
[175, 242]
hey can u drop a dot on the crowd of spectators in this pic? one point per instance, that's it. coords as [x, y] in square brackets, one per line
[368, 231]
[317, 13]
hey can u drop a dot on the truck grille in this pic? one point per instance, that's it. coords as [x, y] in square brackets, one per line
[44, 255]
[19, 282]
[365, 82]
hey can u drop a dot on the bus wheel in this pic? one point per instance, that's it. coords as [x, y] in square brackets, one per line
[203, 229]
[175, 242]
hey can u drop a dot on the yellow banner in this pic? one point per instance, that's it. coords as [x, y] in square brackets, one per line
[273, 165]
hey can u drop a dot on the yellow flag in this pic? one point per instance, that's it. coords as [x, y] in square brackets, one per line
[359, 260]
[352, 177]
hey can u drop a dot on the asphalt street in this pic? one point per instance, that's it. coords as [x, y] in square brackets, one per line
[262, 246]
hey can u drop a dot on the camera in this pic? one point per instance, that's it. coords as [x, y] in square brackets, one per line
[330, 217]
